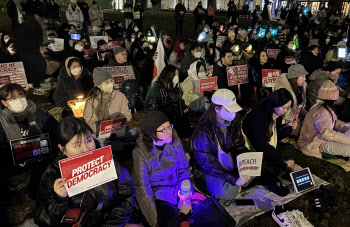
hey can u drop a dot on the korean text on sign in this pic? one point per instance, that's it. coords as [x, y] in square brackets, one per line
[269, 77]
[237, 75]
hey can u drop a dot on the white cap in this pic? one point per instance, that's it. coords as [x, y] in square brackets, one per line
[226, 98]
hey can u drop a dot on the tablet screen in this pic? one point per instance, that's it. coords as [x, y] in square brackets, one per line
[302, 180]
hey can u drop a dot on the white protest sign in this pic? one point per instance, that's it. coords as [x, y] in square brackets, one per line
[250, 163]
[95, 39]
[56, 44]
[13, 73]
[120, 74]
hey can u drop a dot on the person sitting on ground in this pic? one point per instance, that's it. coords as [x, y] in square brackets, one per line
[216, 142]
[177, 54]
[263, 131]
[322, 134]
[294, 82]
[141, 54]
[231, 43]
[159, 167]
[311, 58]
[191, 56]
[75, 15]
[108, 204]
[219, 69]
[286, 51]
[74, 80]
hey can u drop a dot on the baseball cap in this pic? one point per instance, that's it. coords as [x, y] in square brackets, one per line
[226, 98]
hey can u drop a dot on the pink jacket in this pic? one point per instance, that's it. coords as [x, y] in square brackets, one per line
[318, 128]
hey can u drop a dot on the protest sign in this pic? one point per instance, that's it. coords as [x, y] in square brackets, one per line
[220, 41]
[237, 75]
[56, 44]
[104, 54]
[273, 53]
[114, 44]
[30, 149]
[299, 108]
[208, 84]
[88, 170]
[13, 73]
[290, 60]
[211, 12]
[250, 163]
[269, 77]
[108, 127]
[120, 74]
[95, 39]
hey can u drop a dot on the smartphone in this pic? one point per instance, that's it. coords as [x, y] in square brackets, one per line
[341, 52]
[75, 36]
[245, 202]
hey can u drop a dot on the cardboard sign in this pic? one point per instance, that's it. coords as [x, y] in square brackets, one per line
[237, 75]
[208, 84]
[114, 44]
[299, 108]
[211, 12]
[108, 127]
[250, 163]
[95, 39]
[120, 74]
[290, 60]
[30, 149]
[220, 41]
[269, 77]
[56, 44]
[13, 73]
[273, 53]
[88, 170]
[104, 54]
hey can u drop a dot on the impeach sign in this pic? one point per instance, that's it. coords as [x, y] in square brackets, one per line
[13, 73]
[88, 170]
[237, 75]
[120, 74]
[249, 163]
[269, 77]
[116, 126]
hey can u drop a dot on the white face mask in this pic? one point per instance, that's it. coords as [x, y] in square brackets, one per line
[290, 46]
[149, 34]
[202, 75]
[197, 54]
[78, 48]
[18, 105]
[76, 71]
[11, 51]
[328, 40]
[226, 115]
[136, 29]
[175, 80]
[108, 88]
[6, 40]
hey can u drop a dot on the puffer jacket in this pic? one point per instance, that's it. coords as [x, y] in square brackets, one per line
[96, 16]
[75, 17]
[117, 108]
[69, 88]
[190, 86]
[117, 199]
[157, 174]
[318, 128]
[205, 152]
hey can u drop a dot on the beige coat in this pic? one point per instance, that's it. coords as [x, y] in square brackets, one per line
[190, 86]
[318, 128]
[118, 108]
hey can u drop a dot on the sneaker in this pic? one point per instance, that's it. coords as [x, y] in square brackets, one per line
[299, 218]
[283, 217]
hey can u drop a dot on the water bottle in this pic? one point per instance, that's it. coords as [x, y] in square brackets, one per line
[185, 194]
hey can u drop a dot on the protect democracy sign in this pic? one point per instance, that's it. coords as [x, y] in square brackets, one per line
[116, 126]
[120, 74]
[88, 170]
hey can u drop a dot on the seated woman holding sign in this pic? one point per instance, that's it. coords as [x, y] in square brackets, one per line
[104, 103]
[20, 118]
[294, 82]
[109, 204]
[263, 131]
[216, 142]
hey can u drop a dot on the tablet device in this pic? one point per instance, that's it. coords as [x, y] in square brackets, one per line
[302, 180]
[341, 52]
[75, 36]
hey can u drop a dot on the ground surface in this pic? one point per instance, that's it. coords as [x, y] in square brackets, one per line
[339, 179]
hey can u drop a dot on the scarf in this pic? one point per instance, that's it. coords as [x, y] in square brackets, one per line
[9, 121]
[179, 51]
[101, 110]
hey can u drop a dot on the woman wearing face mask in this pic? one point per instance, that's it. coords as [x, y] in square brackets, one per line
[336, 18]
[138, 15]
[74, 80]
[21, 118]
[141, 54]
[109, 204]
[166, 96]
[177, 54]
[263, 131]
[216, 142]
[286, 51]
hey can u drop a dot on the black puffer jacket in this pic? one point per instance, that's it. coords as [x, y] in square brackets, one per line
[117, 199]
[205, 151]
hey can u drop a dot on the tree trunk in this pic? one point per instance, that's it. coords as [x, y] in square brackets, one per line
[335, 4]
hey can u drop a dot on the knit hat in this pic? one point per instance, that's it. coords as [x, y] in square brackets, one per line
[100, 75]
[231, 33]
[151, 121]
[328, 91]
[118, 50]
[226, 98]
[313, 42]
[341, 43]
[295, 71]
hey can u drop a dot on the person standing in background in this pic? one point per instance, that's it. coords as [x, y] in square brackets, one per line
[84, 7]
[180, 11]
[128, 13]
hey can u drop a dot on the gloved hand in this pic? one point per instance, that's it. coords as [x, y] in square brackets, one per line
[242, 180]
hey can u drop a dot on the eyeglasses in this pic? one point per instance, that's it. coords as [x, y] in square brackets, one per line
[14, 98]
[166, 129]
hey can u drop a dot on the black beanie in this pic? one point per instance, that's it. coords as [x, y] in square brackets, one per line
[151, 121]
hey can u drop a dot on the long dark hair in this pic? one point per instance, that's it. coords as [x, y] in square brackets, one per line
[329, 106]
[69, 127]
[93, 95]
[165, 79]
[298, 91]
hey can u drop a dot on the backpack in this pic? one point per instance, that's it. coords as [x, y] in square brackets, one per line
[130, 89]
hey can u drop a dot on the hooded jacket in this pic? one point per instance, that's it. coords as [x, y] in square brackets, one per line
[186, 63]
[318, 128]
[311, 62]
[96, 16]
[110, 204]
[157, 174]
[190, 86]
[74, 16]
[69, 88]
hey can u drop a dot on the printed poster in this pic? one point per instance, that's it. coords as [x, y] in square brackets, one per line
[237, 75]
[249, 163]
[95, 39]
[114, 44]
[88, 170]
[269, 77]
[208, 84]
[220, 41]
[120, 74]
[108, 127]
[13, 73]
[56, 44]
[290, 60]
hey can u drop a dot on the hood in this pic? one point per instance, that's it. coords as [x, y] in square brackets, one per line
[66, 66]
[192, 71]
[320, 74]
[70, 8]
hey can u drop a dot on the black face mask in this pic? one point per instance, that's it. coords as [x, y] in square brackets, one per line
[147, 49]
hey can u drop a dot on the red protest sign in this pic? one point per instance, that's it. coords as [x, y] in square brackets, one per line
[88, 170]
[290, 60]
[120, 74]
[211, 12]
[13, 73]
[273, 53]
[237, 75]
[116, 126]
[269, 77]
[208, 84]
[296, 115]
